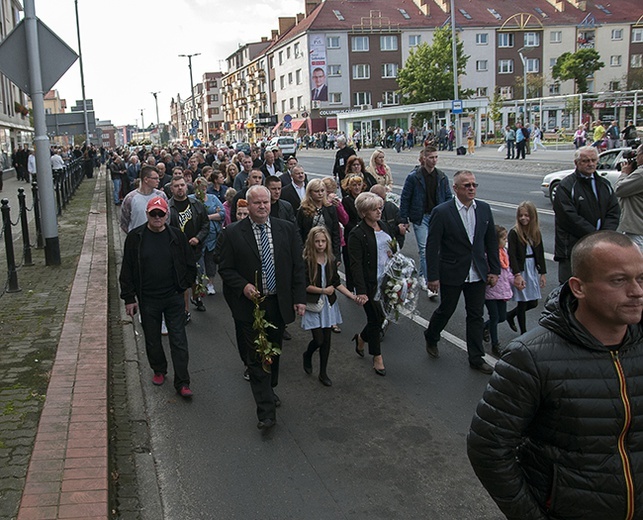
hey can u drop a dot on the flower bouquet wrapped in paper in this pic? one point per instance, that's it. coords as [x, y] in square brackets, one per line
[400, 287]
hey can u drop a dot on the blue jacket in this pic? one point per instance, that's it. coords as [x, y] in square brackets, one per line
[413, 196]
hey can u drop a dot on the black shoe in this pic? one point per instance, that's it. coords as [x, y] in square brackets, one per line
[266, 424]
[486, 336]
[277, 400]
[432, 349]
[198, 303]
[287, 335]
[325, 380]
[188, 317]
[495, 349]
[484, 367]
[359, 351]
[511, 321]
[308, 363]
[380, 371]
[246, 374]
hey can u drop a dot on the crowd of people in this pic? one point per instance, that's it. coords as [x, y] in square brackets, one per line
[278, 239]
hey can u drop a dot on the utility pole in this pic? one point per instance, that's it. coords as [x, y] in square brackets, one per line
[158, 123]
[454, 50]
[189, 57]
[142, 120]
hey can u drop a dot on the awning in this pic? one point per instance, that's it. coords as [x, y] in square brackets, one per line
[295, 125]
[276, 128]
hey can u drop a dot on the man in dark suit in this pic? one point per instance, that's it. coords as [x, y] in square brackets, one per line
[261, 256]
[462, 257]
[296, 190]
[269, 167]
[279, 208]
[319, 92]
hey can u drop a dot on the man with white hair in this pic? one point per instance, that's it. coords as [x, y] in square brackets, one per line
[341, 157]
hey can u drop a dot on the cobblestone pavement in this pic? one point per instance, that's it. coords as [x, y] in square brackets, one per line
[30, 325]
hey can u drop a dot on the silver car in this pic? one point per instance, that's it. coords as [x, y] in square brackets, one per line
[608, 162]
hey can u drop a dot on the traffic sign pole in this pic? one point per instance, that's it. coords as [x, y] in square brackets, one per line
[41, 141]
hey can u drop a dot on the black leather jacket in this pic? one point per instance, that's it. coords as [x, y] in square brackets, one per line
[559, 431]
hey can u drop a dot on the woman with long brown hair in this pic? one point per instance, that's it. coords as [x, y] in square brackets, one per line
[355, 166]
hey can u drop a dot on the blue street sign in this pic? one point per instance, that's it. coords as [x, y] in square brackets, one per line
[192, 131]
[456, 106]
[195, 123]
[197, 142]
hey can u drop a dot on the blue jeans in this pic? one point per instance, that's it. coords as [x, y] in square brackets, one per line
[117, 190]
[421, 234]
[152, 311]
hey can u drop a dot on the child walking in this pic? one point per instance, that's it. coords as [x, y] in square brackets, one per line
[322, 310]
[527, 260]
[496, 297]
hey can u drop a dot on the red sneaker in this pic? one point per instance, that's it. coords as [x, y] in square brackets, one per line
[185, 391]
[158, 379]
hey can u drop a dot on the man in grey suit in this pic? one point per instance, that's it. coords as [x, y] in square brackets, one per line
[261, 256]
[462, 257]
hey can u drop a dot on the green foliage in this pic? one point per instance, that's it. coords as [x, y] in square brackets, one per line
[577, 66]
[428, 72]
[535, 83]
[495, 106]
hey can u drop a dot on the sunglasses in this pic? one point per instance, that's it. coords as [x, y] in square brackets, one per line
[470, 185]
[156, 213]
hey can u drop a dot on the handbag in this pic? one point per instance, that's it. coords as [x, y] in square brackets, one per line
[315, 307]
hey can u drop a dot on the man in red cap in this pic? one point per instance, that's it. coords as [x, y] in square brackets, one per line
[158, 266]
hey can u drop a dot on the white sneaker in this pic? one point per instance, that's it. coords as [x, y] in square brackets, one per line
[163, 328]
[210, 289]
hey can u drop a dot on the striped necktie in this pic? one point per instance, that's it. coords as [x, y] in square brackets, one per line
[267, 262]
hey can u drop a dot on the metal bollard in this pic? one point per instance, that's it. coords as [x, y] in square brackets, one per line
[12, 274]
[24, 225]
[40, 243]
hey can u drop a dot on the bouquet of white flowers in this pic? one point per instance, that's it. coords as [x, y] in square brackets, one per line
[400, 286]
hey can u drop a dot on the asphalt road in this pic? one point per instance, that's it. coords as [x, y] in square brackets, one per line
[369, 447]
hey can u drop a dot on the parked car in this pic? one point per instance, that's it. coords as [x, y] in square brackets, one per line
[608, 167]
[287, 145]
[241, 147]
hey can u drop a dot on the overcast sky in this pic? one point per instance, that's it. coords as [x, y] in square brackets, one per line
[131, 47]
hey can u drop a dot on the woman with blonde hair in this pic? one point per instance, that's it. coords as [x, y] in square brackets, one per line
[378, 168]
[231, 173]
[316, 210]
[322, 282]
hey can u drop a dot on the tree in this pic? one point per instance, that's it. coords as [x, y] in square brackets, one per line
[495, 110]
[427, 74]
[577, 66]
[535, 84]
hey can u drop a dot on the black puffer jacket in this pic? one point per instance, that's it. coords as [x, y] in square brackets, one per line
[559, 431]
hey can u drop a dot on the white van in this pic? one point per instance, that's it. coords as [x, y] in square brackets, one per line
[287, 145]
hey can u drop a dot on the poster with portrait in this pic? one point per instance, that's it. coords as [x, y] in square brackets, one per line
[317, 56]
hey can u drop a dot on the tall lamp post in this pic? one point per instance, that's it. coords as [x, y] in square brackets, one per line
[158, 124]
[189, 57]
[454, 50]
[523, 59]
[82, 76]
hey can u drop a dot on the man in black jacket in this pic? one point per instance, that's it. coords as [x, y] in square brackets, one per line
[558, 433]
[279, 208]
[158, 267]
[584, 203]
[341, 157]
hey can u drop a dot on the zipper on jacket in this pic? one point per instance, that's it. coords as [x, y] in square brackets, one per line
[627, 470]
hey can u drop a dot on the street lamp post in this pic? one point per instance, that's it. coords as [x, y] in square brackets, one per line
[523, 59]
[158, 124]
[189, 57]
[454, 51]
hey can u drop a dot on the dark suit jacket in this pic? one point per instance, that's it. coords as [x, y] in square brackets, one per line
[289, 194]
[266, 173]
[305, 224]
[448, 250]
[239, 260]
[362, 252]
[323, 93]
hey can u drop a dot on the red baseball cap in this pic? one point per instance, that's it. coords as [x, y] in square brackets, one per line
[157, 203]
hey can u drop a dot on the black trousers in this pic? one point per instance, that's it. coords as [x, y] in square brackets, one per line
[474, 306]
[152, 311]
[520, 150]
[371, 333]
[261, 382]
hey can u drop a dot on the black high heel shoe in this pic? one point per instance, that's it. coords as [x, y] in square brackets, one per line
[360, 352]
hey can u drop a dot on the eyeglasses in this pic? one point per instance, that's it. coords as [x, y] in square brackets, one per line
[469, 185]
[154, 178]
[155, 213]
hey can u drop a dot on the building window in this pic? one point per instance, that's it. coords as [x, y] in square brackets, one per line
[533, 65]
[615, 85]
[505, 40]
[505, 66]
[636, 61]
[332, 42]
[415, 40]
[615, 61]
[390, 97]
[362, 98]
[506, 92]
[361, 72]
[637, 35]
[481, 65]
[389, 70]
[292, 103]
[299, 99]
[334, 97]
[281, 57]
[388, 43]
[481, 92]
[282, 82]
[215, 111]
[359, 44]
[287, 53]
[554, 89]
[272, 85]
[290, 78]
[298, 76]
[296, 49]
[283, 106]
[532, 39]
[552, 62]
[482, 39]
[334, 70]
[555, 36]
[617, 34]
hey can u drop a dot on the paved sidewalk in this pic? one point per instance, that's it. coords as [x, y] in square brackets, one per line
[53, 371]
